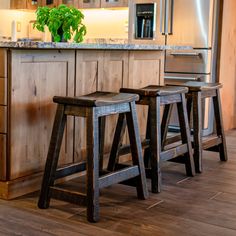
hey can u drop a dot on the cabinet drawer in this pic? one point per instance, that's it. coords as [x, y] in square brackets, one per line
[3, 91]
[3, 164]
[3, 119]
[3, 63]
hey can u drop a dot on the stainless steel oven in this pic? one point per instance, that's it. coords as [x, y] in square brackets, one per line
[191, 65]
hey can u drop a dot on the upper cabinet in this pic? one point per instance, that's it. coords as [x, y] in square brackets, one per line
[102, 3]
[49, 3]
[25, 4]
[89, 3]
[33, 4]
[74, 3]
[114, 3]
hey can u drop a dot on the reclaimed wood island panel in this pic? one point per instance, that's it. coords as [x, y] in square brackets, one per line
[31, 76]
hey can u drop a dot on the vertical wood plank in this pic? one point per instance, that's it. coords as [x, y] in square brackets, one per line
[3, 119]
[89, 68]
[115, 72]
[145, 69]
[3, 157]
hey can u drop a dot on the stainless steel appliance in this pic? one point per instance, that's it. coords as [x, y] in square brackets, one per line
[189, 23]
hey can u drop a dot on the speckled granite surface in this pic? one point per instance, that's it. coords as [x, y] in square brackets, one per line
[104, 46]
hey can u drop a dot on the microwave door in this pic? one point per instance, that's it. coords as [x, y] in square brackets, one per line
[190, 23]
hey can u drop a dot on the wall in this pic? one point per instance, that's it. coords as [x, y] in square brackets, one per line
[6, 18]
[228, 64]
[105, 23]
[4, 4]
[100, 23]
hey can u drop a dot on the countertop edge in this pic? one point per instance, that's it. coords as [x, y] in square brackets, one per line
[98, 46]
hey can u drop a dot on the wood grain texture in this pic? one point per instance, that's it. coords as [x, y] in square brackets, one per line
[74, 3]
[228, 64]
[3, 119]
[145, 69]
[115, 74]
[89, 70]
[3, 91]
[3, 157]
[44, 3]
[36, 78]
[24, 4]
[202, 206]
[3, 64]
[3, 77]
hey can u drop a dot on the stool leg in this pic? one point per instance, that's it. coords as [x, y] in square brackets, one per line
[219, 126]
[136, 150]
[155, 144]
[189, 101]
[164, 123]
[102, 125]
[92, 166]
[52, 157]
[197, 130]
[185, 134]
[147, 152]
[117, 142]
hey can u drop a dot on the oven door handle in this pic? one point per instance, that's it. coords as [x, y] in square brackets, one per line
[182, 78]
[186, 54]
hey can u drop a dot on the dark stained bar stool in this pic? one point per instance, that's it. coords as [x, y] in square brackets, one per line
[197, 92]
[154, 97]
[93, 107]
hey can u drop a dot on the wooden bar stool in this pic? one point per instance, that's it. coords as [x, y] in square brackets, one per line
[93, 107]
[154, 97]
[197, 92]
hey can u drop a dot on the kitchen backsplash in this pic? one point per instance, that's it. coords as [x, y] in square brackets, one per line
[101, 24]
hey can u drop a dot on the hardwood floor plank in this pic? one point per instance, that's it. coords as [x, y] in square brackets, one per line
[200, 206]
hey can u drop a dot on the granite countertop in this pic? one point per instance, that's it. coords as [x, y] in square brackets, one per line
[104, 46]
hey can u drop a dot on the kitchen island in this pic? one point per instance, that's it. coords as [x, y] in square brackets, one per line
[31, 73]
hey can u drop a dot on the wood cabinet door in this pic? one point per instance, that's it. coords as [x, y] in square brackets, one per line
[74, 3]
[145, 68]
[89, 70]
[49, 3]
[89, 3]
[115, 73]
[32, 5]
[18, 4]
[25, 4]
[37, 76]
[114, 3]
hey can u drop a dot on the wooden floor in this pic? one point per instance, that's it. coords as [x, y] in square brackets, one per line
[203, 205]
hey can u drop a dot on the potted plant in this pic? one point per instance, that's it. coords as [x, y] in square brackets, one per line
[63, 22]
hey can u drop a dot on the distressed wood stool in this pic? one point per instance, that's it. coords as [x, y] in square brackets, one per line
[93, 107]
[197, 92]
[155, 97]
